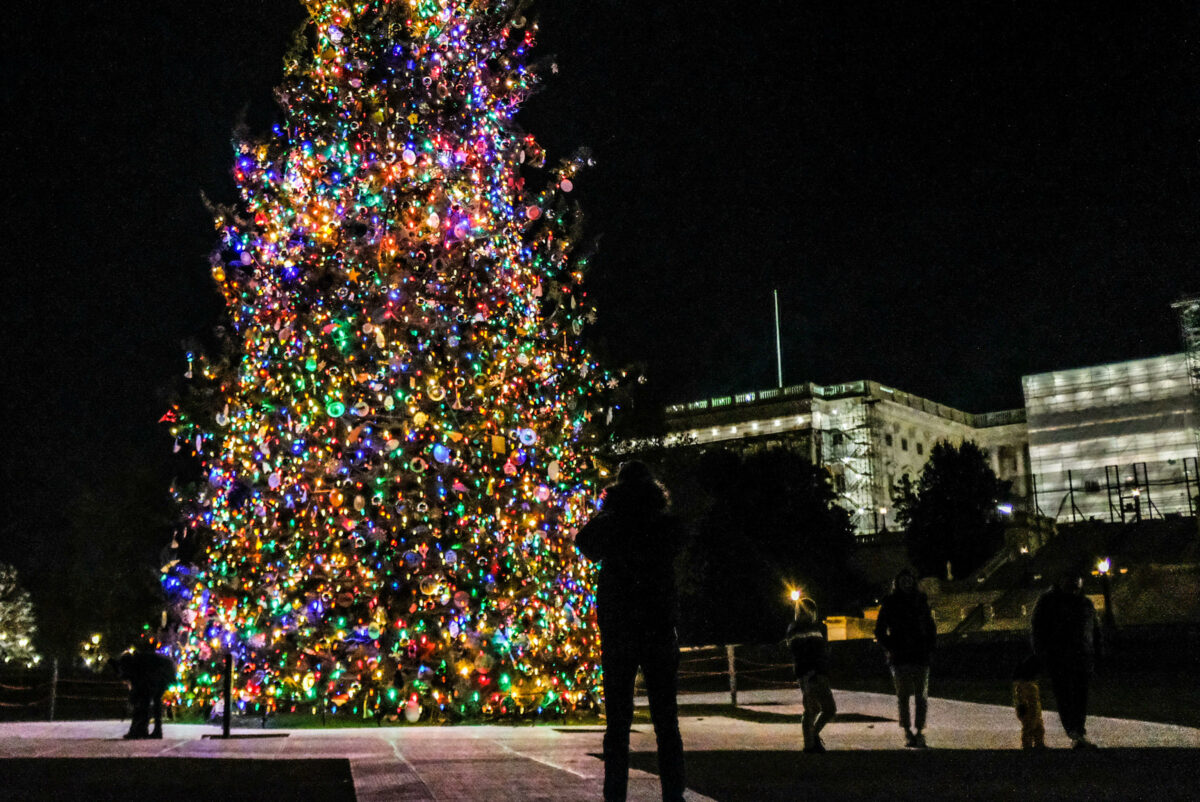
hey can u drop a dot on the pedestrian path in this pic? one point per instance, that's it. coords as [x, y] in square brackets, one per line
[562, 763]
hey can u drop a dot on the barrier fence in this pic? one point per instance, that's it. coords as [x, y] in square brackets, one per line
[48, 695]
[45, 694]
[732, 667]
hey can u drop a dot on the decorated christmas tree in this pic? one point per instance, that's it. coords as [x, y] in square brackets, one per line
[394, 440]
[17, 626]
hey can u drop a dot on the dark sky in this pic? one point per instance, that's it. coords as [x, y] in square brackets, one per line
[946, 195]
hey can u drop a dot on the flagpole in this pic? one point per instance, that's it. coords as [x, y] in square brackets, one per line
[778, 348]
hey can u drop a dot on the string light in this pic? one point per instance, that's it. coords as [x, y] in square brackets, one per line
[394, 443]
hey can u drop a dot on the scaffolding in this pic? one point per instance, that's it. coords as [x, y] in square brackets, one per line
[845, 444]
[1189, 328]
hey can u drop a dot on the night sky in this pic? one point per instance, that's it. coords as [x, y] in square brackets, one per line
[947, 196]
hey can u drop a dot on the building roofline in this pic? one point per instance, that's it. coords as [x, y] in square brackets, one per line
[830, 392]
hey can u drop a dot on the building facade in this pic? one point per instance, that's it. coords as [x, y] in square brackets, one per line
[1109, 442]
[1114, 441]
[867, 435]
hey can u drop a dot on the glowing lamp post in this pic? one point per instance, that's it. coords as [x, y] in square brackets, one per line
[795, 597]
[1104, 569]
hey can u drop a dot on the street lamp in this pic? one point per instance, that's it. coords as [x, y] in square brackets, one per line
[794, 595]
[1104, 568]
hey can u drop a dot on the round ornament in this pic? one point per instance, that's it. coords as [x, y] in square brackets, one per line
[412, 711]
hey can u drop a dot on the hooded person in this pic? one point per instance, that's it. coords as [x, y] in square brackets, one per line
[906, 631]
[636, 539]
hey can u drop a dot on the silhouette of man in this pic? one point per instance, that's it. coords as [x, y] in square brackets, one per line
[635, 539]
[148, 674]
[906, 631]
[1066, 634]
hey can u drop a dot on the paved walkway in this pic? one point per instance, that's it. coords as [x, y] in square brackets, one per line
[561, 763]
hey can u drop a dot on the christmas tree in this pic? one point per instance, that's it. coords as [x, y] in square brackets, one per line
[394, 441]
[16, 620]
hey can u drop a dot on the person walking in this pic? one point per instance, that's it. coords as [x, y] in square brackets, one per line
[906, 631]
[1066, 637]
[636, 539]
[808, 639]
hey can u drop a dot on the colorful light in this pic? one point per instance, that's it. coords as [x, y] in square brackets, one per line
[395, 438]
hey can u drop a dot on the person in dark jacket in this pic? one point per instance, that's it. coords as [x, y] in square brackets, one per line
[808, 639]
[149, 674]
[906, 631]
[636, 540]
[1066, 636]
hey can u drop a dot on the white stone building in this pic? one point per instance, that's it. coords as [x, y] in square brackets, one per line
[1113, 441]
[1107, 442]
[866, 434]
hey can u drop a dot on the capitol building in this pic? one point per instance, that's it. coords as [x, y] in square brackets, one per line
[1109, 442]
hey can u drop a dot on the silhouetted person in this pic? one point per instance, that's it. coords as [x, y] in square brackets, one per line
[906, 631]
[149, 674]
[808, 639]
[635, 539]
[1066, 635]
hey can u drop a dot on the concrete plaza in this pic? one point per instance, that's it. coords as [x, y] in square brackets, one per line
[562, 763]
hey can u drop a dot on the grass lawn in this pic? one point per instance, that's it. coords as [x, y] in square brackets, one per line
[176, 779]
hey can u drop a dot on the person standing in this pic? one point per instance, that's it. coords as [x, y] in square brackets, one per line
[636, 539]
[906, 631]
[1066, 635]
[149, 674]
[808, 639]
